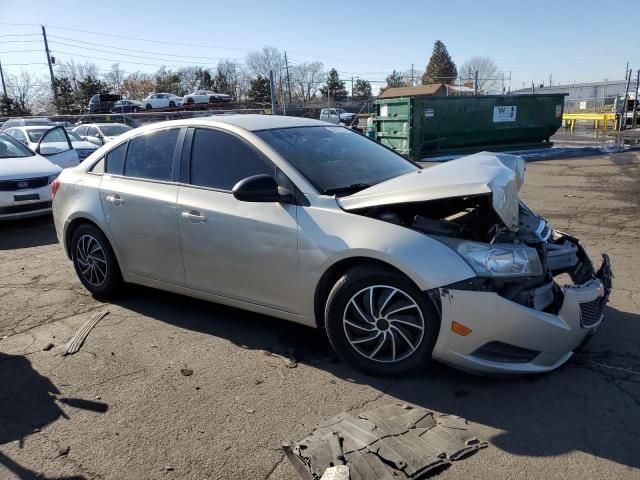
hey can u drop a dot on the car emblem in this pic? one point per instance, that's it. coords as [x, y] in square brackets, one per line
[23, 184]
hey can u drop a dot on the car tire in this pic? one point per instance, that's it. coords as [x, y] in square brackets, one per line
[148, 106]
[94, 261]
[372, 343]
[190, 101]
[172, 103]
[212, 99]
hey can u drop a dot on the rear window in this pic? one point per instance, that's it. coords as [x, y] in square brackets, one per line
[115, 160]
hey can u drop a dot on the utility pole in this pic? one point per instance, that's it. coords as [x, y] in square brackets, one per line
[351, 87]
[636, 101]
[475, 84]
[412, 84]
[550, 76]
[502, 86]
[288, 77]
[272, 90]
[4, 88]
[623, 115]
[46, 49]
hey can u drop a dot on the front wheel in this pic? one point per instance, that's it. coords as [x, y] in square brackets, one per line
[94, 261]
[172, 103]
[149, 106]
[378, 321]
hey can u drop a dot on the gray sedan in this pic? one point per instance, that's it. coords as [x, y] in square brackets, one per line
[313, 223]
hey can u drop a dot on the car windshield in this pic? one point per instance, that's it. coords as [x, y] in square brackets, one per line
[35, 134]
[38, 121]
[74, 136]
[114, 130]
[335, 159]
[10, 148]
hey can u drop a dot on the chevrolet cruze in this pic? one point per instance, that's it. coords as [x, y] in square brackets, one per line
[313, 223]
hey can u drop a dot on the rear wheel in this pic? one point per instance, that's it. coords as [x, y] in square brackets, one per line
[94, 261]
[380, 322]
[190, 101]
[149, 106]
[172, 103]
[213, 99]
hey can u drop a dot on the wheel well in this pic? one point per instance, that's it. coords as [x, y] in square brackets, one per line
[331, 276]
[73, 226]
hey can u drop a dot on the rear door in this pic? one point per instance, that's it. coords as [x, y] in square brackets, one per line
[56, 146]
[138, 194]
[241, 250]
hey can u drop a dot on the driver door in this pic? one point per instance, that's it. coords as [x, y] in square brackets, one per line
[56, 146]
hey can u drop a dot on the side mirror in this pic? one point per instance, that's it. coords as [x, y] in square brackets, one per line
[258, 188]
[98, 135]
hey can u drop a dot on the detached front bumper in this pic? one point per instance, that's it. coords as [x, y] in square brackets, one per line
[508, 337]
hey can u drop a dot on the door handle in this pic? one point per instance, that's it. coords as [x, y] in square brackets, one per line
[193, 216]
[114, 199]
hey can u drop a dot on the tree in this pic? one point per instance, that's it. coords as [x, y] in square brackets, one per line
[236, 77]
[25, 90]
[114, 78]
[222, 84]
[88, 87]
[260, 90]
[64, 98]
[362, 89]
[487, 72]
[9, 108]
[335, 87]
[393, 81]
[441, 68]
[76, 71]
[204, 79]
[169, 81]
[306, 77]
[137, 85]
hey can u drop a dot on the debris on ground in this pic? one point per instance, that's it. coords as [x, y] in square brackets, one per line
[187, 372]
[289, 363]
[339, 472]
[63, 452]
[48, 347]
[169, 468]
[78, 339]
[390, 442]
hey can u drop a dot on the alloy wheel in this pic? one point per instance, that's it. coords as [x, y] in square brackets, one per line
[383, 324]
[91, 260]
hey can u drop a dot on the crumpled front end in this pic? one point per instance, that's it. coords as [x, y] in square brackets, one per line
[524, 325]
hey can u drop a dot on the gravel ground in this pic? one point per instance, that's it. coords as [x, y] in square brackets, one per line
[125, 406]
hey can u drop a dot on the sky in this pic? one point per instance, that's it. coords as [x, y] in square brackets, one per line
[571, 40]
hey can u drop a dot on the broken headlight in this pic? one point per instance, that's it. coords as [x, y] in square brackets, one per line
[501, 260]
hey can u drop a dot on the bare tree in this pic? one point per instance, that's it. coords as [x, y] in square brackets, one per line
[487, 72]
[76, 72]
[114, 78]
[137, 85]
[260, 62]
[236, 76]
[27, 91]
[306, 78]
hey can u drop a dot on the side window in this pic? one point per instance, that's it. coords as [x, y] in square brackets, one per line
[220, 160]
[82, 131]
[18, 135]
[115, 160]
[98, 167]
[92, 131]
[151, 155]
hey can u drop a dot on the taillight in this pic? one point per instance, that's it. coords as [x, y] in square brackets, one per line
[55, 185]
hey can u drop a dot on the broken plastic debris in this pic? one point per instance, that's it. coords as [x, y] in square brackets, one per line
[187, 372]
[394, 441]
[78, 339]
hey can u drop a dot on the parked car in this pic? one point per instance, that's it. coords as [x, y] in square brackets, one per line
[103, 102]
[313, 223]
[23, 122]
[338, 116]
[101, 133]
[162, 100]
[206, 96]
[30, 136]
[25, 180]
[52, 142]
[127, 106]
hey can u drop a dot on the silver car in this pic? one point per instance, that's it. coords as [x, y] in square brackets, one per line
[313, 223]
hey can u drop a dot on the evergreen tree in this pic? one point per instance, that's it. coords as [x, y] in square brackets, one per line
[362, 89]
[205, 80]
[87, 88]
[11, 108]
[222, 84]
[441, 68]
[393, 81]
[64, 96]
[335, 87]
[260, 90]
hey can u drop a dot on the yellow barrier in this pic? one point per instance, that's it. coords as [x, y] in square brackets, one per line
[570, 119]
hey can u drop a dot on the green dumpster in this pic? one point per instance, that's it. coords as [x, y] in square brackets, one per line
[427, 126]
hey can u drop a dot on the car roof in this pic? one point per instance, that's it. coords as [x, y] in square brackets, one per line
[254, 122]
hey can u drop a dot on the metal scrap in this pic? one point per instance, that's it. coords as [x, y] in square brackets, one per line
[78, 339]
[391, 442]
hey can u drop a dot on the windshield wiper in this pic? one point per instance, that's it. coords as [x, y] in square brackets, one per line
[353, 188]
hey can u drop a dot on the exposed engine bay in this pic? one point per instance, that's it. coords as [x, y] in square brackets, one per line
[473, 218]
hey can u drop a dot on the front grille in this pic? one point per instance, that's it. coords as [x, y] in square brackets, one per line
[591, 312]
[15, 185]
[30, 207]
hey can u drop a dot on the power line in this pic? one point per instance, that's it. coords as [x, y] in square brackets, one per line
[121, 61]
[21, 51]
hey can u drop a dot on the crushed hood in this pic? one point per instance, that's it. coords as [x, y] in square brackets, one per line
[500, 174]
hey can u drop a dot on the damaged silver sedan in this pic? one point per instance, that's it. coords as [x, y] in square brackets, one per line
[313, 223]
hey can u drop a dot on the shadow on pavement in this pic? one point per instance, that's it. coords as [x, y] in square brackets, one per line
[27, 404]
[591, 404]
[29, 232]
